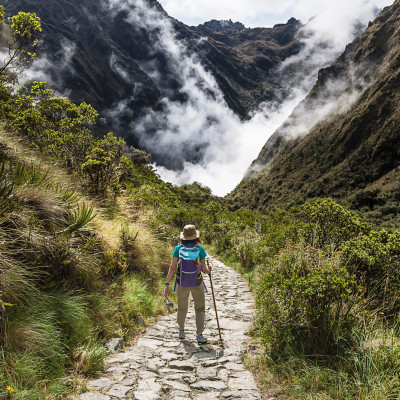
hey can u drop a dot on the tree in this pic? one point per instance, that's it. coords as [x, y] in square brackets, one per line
[102, 163]
[25, 29]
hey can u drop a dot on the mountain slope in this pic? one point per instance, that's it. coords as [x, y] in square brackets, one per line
[352, 153]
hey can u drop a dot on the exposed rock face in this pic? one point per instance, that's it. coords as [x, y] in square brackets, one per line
[348, 147]
[95, 53]
[219, 26]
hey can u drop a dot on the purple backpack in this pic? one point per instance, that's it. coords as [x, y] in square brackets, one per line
[189, 269]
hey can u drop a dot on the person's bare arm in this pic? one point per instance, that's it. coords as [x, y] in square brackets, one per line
[171, 273]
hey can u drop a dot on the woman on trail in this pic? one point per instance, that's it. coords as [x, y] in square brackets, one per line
[190, 258]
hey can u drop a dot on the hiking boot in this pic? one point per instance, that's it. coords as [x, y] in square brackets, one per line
[201, 339]
[182, 335]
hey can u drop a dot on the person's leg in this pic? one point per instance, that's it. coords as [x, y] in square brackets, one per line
[199, 306]
[182, 294]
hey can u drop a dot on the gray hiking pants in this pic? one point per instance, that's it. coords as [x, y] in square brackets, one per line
[199, 305]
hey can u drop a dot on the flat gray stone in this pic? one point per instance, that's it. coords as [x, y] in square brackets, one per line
[178, 395]
[93, 396]
[148, 385]
[119, 391]
[152, 367]
[182, 365]
[234, 366]
[208, 396]
[118, 369]
[169, 356]
[101, 384]
[149, 343]
[147, 375]
[189, 379]
[223, 375]
[146, 396]
[206, 373]
[210, 363]
[241, 381]
[203, 354]
[208, 385]
[130, 381]
[121, 358]
[240, 394]
[115, 344]
[176, 385]
[171, 344]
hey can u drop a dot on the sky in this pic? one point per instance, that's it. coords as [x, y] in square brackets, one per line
[261, 13]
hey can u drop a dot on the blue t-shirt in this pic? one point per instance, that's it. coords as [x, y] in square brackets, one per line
[203, 253]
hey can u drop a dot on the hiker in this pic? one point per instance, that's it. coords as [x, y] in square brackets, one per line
[189, 257]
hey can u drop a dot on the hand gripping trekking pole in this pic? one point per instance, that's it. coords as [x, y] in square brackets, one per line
[215, 304]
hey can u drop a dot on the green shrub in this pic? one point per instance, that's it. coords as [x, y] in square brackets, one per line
[140, 299]
[101, 164]
[305, 302]
[248, 249]
[375, 258]
[279, 226]
[325, 222]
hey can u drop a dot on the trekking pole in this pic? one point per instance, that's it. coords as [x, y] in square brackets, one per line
[215, 304]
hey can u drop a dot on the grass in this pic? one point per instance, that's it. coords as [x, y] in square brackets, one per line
[141, 297]
[76, 269]
[88, 358]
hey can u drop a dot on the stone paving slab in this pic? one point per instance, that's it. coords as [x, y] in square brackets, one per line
[161, 367]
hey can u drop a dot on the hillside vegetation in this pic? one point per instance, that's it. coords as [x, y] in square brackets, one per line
[75, 270]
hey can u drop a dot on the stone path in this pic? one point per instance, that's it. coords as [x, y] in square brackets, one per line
[161, 367]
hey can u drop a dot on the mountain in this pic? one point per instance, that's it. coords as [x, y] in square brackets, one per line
[349, 146]
[103, 53]
[244, 61]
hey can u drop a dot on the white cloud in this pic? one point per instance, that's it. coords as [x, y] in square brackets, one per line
[261, 13]
[204, 121]
[117, 68]
[50, 71]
